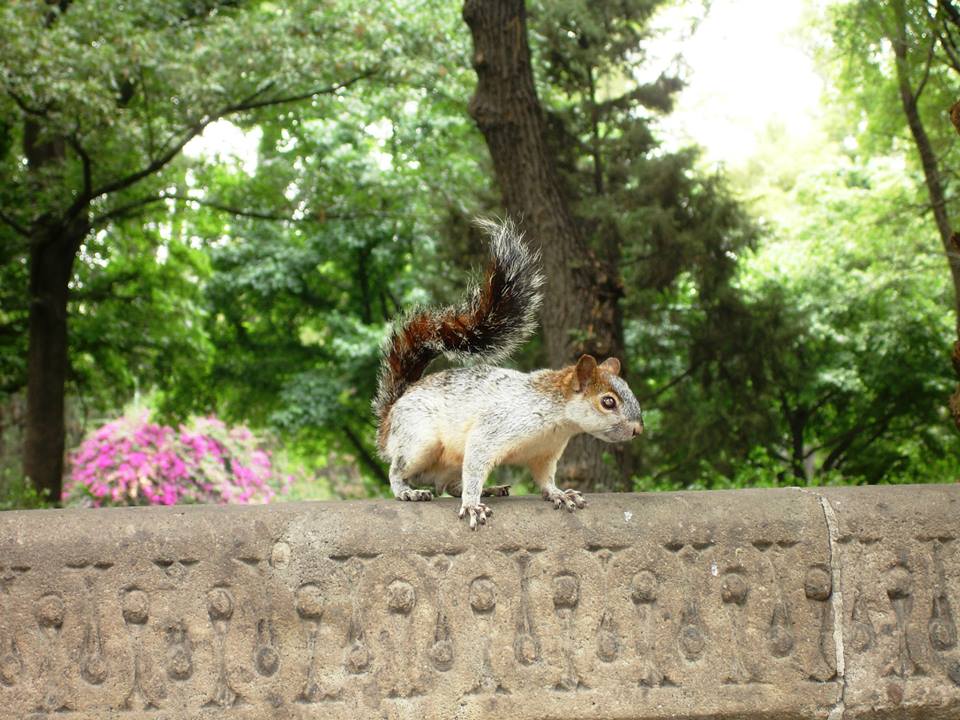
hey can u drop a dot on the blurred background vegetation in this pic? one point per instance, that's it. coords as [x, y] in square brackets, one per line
[216, 207]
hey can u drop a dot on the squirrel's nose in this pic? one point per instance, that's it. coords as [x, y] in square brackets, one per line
[637, 428]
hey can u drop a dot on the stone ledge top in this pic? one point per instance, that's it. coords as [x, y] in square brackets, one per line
[785, 603]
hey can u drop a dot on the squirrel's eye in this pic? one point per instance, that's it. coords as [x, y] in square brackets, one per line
[608, 402]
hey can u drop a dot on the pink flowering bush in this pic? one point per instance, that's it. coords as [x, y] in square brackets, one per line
[132, 461]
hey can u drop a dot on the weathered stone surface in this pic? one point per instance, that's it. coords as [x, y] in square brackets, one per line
[770, 604]
[896, 553]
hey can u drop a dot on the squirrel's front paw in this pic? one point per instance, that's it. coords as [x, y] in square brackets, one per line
[415, 495]
[477, 514]
[569, 499]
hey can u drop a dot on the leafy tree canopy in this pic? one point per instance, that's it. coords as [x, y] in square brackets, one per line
[798, 336]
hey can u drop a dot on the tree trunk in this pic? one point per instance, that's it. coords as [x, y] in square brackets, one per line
[580, 311]
[796, 421]
[52, 256]
[53, 248]
[933, 179]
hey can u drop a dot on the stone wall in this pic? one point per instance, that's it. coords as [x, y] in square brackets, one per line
[771, 604]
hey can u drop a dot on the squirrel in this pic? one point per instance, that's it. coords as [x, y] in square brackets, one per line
[450, 428]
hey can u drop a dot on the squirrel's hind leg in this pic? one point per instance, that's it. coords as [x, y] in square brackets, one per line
[398, 483]
[495, 491]
[492, 491]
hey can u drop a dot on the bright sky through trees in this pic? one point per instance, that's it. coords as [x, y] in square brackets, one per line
[746, 69]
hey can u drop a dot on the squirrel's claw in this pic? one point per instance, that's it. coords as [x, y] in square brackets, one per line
[415, 495]
[477, 514]
[570, 499]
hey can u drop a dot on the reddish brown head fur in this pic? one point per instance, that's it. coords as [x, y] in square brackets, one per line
[587, 376]
[591, 378]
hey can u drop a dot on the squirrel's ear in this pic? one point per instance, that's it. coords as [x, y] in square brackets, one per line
[586, 367]
[612, 365]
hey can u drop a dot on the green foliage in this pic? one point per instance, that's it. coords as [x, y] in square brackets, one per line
[833, 360]
[130, 82]
[795, 339]
[17, 492]
[137, 309]
[827, 359]
[299, 308]
[13, 324]
[859, 51]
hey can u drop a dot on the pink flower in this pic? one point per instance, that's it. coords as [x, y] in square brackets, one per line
[169, 495]
[132, 461]
[177, 468]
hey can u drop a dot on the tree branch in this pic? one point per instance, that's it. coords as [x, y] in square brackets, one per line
[926, 70]
[952, 12]
[846, 440]
[22, 104]
[782, 457]
[250, 103]
[86, 163]
[154, 166]
[124, 210]
[20, 229]
[882, 428]
[945, 37]
[328, 90]
[167, 149]
[103, 291]
[240, 212]
[365, 455]
[151, 143]
[678, 379]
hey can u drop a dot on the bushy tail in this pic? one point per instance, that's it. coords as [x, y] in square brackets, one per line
[495, 317]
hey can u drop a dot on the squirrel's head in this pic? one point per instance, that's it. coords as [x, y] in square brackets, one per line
[600, 402]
